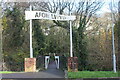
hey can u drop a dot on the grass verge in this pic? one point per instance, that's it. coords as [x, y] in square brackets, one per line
[4, 72]
[92, 74]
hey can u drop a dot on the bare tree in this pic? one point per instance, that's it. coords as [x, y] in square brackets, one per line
[60, 7]
[114, 9]
[83, 9]
[86, 10]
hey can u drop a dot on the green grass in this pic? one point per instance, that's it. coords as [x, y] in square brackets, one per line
[4, 72]
[91, 74]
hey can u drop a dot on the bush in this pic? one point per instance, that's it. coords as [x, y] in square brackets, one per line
[15, 62]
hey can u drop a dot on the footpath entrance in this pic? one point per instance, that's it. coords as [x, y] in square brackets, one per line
[52, 71]
[55, 60]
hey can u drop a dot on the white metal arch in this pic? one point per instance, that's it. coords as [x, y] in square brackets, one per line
[31, 15]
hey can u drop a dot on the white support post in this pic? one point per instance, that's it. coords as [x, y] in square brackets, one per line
[31, 49]
[45, 62]
[113, 44]
[57, 61]
[47, 58]
[71, 54]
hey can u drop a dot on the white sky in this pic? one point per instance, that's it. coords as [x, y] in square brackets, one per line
[104, 9]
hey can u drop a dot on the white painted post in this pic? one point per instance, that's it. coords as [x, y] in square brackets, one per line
[46, 62]
[57, 62]
[31, 49]
[71, 54]
[113, 43]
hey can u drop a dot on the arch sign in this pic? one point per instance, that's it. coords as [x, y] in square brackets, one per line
[46, 15]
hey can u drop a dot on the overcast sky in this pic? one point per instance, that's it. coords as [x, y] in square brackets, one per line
[104, 9]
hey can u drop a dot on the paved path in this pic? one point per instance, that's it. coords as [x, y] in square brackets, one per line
[51, 72]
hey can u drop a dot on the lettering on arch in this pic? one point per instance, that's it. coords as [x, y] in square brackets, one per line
[45, 15]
